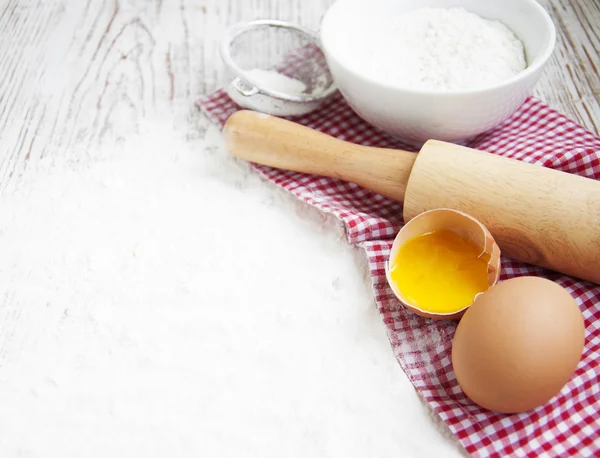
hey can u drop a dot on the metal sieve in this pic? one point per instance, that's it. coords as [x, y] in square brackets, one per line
[281, 47]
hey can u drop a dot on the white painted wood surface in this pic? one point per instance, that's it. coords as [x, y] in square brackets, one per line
[69, 68]
[78, 77]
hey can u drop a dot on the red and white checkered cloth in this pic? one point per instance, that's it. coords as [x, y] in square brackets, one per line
[569, 425]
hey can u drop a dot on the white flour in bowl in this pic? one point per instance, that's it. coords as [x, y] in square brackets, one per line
[436, 49]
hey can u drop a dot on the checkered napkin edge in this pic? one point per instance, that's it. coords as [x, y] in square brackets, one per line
[568, 425]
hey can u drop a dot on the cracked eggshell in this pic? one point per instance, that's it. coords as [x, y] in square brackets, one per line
[463, 225]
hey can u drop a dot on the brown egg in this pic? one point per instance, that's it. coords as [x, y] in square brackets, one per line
[518, 344]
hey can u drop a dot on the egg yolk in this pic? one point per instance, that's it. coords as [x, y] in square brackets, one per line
[440, 272]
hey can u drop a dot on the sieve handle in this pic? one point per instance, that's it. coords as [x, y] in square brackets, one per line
[283, 144]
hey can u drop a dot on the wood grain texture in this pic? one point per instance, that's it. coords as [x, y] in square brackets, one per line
[77, 75]
[571, 82]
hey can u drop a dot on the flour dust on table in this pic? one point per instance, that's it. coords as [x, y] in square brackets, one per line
[153, 313]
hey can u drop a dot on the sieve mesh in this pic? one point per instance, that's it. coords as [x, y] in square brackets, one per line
[287, 50]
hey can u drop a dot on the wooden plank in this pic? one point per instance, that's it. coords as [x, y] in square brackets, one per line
[77, 74]
[571, 81]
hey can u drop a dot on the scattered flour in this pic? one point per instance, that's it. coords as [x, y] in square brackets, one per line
[436, 49]
[161, 300]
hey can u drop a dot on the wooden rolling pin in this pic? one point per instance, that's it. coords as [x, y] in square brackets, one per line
[537, 215]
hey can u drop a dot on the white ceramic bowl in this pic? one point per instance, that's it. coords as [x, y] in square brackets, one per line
[452, 115]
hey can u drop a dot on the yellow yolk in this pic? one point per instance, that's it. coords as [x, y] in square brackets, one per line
[439, 272]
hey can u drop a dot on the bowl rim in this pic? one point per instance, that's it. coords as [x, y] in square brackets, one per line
[544, 55]
[237, 29]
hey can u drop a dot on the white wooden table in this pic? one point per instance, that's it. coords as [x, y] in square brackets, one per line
[82, 78]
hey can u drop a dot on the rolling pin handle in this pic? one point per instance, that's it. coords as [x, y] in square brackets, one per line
[278, 143]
